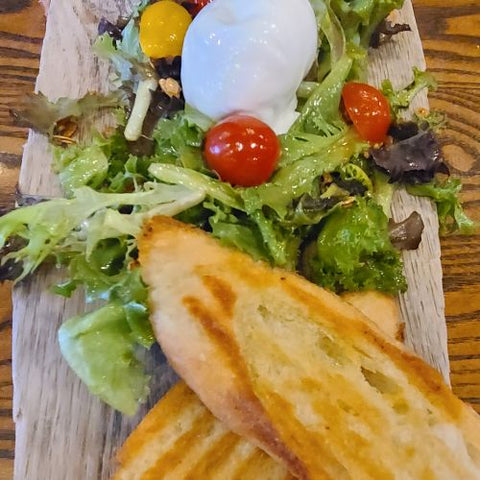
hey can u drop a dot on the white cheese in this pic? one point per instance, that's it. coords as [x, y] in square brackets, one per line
[249, 56]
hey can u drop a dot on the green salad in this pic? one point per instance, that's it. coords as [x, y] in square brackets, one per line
[324, 210]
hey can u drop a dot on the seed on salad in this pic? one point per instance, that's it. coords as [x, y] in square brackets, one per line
[170, 86]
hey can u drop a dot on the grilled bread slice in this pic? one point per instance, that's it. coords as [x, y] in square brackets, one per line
[180, 439]
[380, 308]
[298, 371]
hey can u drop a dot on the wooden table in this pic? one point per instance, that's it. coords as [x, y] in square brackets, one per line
[451, 39]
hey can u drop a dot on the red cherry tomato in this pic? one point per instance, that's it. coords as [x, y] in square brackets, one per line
[242, 150]
[197, 6]
[368, 109]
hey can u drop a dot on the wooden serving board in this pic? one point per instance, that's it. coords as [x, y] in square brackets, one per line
[64, 433]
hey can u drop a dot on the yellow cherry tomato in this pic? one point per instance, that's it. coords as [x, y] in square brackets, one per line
[163, 26]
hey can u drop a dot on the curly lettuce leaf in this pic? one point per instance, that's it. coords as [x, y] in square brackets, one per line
[354, 251]
[196, 181]
[359, 20]
[236, 231]
[108, 275]
[321, 113]
[79, 166]
[298, 145]
[282, 243]
[372, 14]
[383, 192]
[195, 118]
[257, 235]
[84, 164]
[400, 100]
[179, 140]
[48, 226]
[451, 215]
[433, 119]
[297, 179]
[125, 55]
[123, 285]
[332, 29]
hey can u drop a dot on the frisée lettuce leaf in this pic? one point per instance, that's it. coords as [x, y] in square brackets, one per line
[297, 178]
[400, 100]
[237, 231]
[48, 226]
[320, 114]
[451, 215]
[126, 55]
[79, 166]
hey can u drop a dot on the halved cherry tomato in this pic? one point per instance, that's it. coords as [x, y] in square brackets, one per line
[197, 6]
[242, 150]
[368, 109]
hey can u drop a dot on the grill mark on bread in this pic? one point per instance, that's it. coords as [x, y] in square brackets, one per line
[282, 409]
[338, 363]
[179, 399]
[216, 455]
[419, 374]
[303, 441]
[248, 405]
[216, 332]
[168, 462]
[308, 441]
[221, 291]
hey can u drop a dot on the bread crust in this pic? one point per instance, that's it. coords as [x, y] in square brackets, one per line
[243, 335]
[379, 307]
[180, 439]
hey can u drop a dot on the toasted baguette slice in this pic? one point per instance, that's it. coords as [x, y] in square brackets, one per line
[179, 438]
[380, 308]
[297, 370]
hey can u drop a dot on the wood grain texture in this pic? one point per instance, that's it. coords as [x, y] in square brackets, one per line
[422, 305]
[21, 33]
[451, 40]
